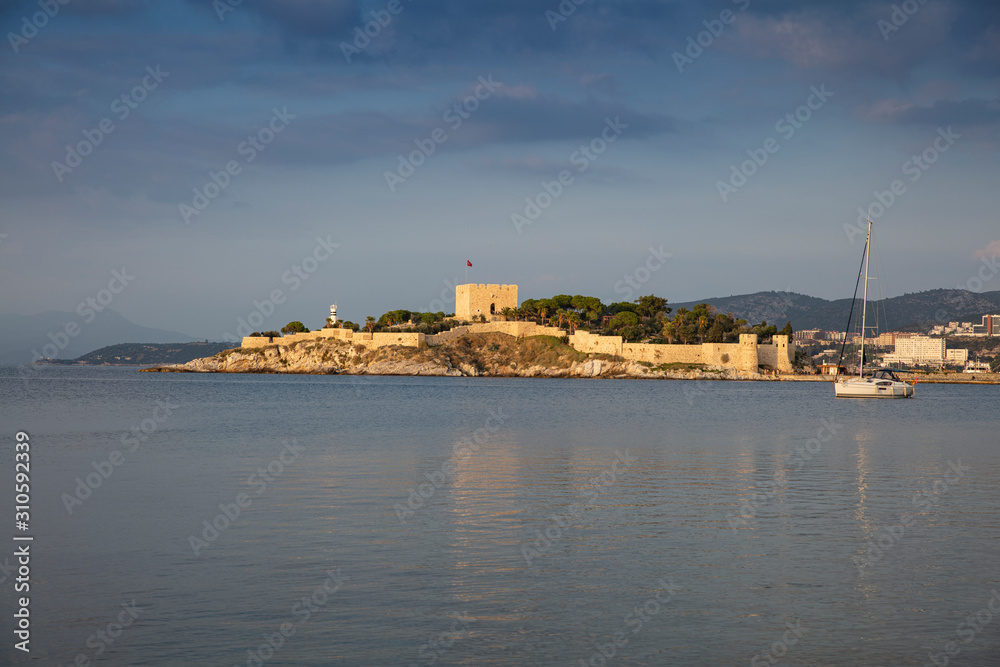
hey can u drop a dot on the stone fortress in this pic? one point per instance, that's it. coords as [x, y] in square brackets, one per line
[472, 300]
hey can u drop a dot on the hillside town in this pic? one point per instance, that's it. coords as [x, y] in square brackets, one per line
[956, 346]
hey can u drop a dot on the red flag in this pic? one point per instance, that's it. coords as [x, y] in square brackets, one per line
[468, 263]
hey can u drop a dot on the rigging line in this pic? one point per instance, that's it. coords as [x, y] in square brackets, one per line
[881, 314]
[851, 314]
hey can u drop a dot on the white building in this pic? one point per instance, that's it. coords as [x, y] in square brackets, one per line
[920, 349]
[959, 356]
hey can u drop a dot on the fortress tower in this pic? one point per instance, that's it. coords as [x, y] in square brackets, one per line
[471, 301]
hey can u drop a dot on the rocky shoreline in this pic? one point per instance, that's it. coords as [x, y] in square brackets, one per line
[473, 355]
[481, 355]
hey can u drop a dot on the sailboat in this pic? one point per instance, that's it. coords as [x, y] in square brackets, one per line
[883, 382]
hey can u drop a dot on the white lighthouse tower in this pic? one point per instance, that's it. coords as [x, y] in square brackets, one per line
[333, 315]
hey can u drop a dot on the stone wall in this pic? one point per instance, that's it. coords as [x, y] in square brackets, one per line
[744, 356]
[390, 338]
[516, 329]
[369, 340]
[593, 344]
[258, 341]
[471, 301]
[778, 355]
[662, 354]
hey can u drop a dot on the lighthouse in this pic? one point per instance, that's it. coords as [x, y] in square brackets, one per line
[333, 315]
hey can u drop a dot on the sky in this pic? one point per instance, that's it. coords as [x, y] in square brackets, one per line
[191, 163]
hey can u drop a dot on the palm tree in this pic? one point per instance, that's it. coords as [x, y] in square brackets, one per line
[702, 327]
[370, 324]
[543, 311]
[670, 331]
[573, 321]
[507, 313]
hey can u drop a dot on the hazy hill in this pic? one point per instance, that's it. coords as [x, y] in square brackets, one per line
[148, 354]
[809, 312]
[20, 334]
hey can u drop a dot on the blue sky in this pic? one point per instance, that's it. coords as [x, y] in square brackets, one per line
[695, 90]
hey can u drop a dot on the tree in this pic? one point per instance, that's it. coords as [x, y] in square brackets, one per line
[529, 309]
[669, 331]
[294, 327]
[370, 324]
[786, 330]
[650, 306]
[508, 313]
[545, 306]
[563, 301]
[394, 317]
[615, 308]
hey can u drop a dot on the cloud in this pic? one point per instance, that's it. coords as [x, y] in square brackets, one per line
[436, 28]
[845, 39]
[967, 113]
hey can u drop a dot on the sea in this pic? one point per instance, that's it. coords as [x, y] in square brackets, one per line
[209, 519]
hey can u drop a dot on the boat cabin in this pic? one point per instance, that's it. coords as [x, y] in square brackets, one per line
[886, 374]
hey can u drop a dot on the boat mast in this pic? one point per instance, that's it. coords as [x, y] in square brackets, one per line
[864, 301]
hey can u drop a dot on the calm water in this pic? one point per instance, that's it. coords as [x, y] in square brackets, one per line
[639, 486]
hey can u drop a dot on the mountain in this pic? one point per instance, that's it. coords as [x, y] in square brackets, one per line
[148, 354]
[49, 334]
[917, 310]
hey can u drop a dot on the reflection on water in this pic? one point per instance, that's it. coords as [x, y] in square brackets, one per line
[447, 582]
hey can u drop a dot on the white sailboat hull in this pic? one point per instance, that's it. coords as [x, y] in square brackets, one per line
[872, 388]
